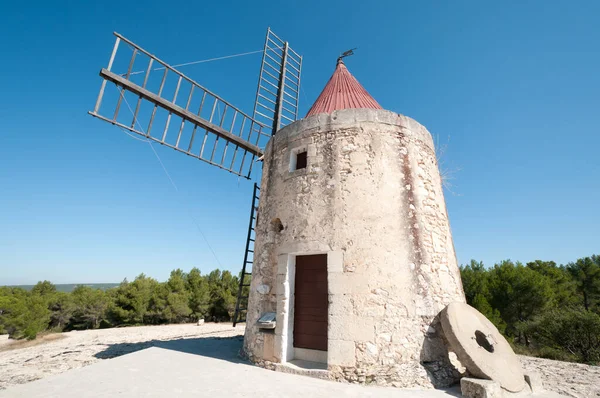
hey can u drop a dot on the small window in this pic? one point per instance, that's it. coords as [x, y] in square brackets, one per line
[301, 160]
[298, 159]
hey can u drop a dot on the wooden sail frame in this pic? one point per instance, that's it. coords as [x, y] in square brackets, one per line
[230, 139]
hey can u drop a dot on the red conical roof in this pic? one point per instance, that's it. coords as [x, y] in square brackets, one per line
[342, 91]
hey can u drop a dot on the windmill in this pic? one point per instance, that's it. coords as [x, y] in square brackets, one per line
[174, 110]
[354, 259]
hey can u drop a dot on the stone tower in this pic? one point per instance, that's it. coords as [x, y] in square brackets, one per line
[353, 255]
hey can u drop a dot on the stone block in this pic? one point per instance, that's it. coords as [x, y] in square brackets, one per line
[341, 353]
[343, 283]
[279, 326]
[282, 264]
[269, 348]
[340, 117]
[534, 379]
[372, 311]
[358, 158]
[280, 286]
[303, 247]
[387, 118]
[340, 304]
[478, 388]
[335, 262]
[351, 327]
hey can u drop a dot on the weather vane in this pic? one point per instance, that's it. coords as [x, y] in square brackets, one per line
[346, 54]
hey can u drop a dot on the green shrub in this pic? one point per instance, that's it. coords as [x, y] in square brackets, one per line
[573, 331]
[556, 354]
[24, 315]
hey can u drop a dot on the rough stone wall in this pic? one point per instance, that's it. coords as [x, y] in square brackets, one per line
[371, 193]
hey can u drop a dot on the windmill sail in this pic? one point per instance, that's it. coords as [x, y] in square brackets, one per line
[167, 107]
[278, 92]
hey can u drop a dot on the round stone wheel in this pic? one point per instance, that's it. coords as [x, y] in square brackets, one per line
[480, 347]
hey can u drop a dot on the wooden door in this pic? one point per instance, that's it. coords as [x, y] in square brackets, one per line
[311, 302]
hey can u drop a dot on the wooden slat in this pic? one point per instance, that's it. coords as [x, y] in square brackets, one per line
[179, 111]
[310, 342]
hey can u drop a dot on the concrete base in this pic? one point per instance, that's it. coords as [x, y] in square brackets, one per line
[304, 368]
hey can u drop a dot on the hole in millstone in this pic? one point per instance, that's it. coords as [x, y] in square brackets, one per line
[483, 341]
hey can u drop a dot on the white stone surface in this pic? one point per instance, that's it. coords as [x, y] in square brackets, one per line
[534, 380]
[77, 349]
[341, 352]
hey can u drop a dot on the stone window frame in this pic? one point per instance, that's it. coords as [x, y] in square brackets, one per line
[293, 153]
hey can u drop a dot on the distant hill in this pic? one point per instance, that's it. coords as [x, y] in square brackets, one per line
[68, 287]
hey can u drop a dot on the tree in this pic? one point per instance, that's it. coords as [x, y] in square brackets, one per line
[575, 331]
[482, 305]
[44, 288]
[223, 288]
[177, 308]
[560, 279]
[157, 305]
[199, 301]
[131, 301]
[62, 307]
[519, 293]
[22, 314]
[475, 280]
[7, 304]
[586, 274]
[3, 308]
[89, 307]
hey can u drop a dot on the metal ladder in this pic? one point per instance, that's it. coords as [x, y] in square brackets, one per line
[241, 304]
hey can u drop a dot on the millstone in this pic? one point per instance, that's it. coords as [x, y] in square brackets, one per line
[480, 347]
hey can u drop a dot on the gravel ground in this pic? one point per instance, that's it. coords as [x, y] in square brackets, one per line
[570, 379]
[78, 349]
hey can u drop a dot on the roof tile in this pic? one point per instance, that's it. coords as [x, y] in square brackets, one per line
[342, 91]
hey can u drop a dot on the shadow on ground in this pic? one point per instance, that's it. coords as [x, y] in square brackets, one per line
[224, 348]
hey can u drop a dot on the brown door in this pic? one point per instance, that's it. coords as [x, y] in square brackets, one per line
[311, 302]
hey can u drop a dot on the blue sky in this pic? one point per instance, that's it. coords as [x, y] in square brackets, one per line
[511, 88]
